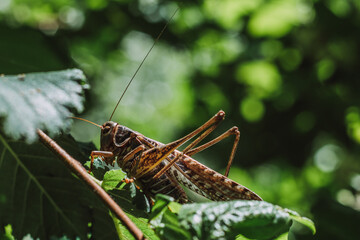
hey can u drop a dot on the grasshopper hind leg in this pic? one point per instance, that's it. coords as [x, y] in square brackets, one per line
[207, 128]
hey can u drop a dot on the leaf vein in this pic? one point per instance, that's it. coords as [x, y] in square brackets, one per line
[37, 183]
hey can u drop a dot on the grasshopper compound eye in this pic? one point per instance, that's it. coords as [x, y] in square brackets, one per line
[108, 127]
[106, 130]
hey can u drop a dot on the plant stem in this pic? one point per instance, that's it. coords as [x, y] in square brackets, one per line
[80, 171]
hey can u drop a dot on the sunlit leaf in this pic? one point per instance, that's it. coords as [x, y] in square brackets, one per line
[225, 220]
[113, 179]
[40, 100]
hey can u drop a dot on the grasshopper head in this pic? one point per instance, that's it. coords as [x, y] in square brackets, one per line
[107, 134]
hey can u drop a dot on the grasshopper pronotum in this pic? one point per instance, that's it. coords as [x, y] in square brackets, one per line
[161, 168]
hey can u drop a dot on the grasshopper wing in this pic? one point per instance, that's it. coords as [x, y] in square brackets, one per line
[209, 183]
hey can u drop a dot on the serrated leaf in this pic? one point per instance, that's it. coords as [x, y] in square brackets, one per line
[225, 220]
[39, 197]
[39, 100]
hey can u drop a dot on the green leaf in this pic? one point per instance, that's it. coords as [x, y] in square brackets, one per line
[112, 180]
[238, 219]
[129, 198]
[284, 236]
[160, 205]
[165, 221]
[41, 198]
[225, 220]
[6, 233]
[303, 220]
[40, 100]
[172, 229]
[133, 202]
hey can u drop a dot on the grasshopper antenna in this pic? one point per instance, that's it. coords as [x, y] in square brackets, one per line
[142, 62]
[85, 120]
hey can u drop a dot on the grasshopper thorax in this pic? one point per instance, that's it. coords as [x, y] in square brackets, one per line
[113, 135]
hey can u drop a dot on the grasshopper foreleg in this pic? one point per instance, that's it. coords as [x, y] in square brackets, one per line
[101, 154]
[131, 154]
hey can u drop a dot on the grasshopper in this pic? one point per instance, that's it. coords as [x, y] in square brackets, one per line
[161, 168]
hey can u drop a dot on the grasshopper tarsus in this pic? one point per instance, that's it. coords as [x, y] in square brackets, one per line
[128, 180]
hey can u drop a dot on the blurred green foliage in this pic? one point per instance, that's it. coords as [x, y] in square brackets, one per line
[285, 71]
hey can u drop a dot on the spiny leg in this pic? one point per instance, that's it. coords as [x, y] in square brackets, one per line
[201, 137]
[132, 153]
[152, 157]
[150, 145]
[190, 151]
[171, 162]
[194, 143]
[189, 147]
[231, 131]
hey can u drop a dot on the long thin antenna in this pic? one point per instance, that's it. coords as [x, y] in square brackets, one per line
[147, 54]
[85, 120]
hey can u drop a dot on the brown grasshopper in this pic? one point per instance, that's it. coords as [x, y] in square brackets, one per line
[161, 168]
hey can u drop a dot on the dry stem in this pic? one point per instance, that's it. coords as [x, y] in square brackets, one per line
[80, 171]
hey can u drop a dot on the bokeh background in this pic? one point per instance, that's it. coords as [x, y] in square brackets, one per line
[286, 72]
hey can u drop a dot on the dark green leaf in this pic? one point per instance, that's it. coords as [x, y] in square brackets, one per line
[128, 197]
[133, 202]
[40, 100]
[165, 221]
[28, 50]
[39, 196]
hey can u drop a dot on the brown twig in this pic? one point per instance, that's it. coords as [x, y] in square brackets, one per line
[80, 171]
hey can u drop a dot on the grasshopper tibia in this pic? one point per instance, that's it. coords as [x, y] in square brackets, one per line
[190, 150]
[154, 156]
[101, 154]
